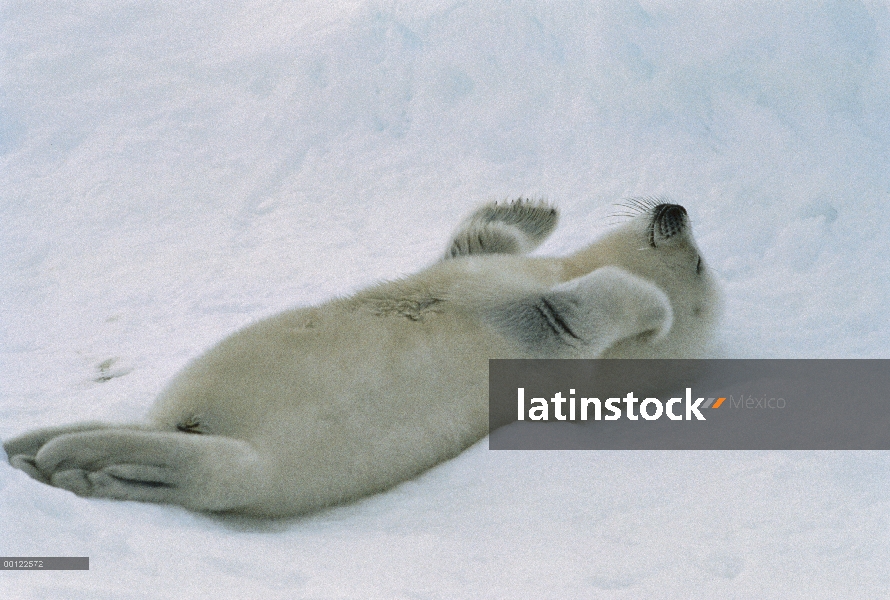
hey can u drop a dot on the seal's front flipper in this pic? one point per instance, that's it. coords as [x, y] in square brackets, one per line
[514, 227]
[587, 315]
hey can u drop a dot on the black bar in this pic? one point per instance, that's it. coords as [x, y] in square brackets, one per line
[44, 563]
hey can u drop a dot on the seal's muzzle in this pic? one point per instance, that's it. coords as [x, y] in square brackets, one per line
[668, 221]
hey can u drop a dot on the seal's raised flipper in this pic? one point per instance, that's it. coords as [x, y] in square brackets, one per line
[588, 314]
[515, 227]
[201, 472]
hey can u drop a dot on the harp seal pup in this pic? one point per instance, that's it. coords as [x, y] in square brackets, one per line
[322, 405]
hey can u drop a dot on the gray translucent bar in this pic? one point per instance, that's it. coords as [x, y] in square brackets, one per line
[746, 404]
[44, 563]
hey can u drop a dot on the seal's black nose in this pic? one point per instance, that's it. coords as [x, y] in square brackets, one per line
[667, 221]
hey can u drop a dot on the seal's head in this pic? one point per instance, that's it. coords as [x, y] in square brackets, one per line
[657, 244]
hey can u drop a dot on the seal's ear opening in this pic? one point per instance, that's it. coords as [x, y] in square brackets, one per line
[669, 225]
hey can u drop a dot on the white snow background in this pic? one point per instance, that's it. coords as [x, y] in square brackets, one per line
[171, 171]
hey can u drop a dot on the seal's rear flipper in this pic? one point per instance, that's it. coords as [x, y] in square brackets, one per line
[21, 450]
[515, 227]
[29, 443]
[587, 315]
[200, 472]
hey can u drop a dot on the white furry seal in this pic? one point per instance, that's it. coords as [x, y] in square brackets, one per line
[321, 405]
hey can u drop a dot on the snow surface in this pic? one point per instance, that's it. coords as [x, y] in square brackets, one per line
[172, 171]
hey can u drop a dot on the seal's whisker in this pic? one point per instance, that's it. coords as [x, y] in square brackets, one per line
[632, 207]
